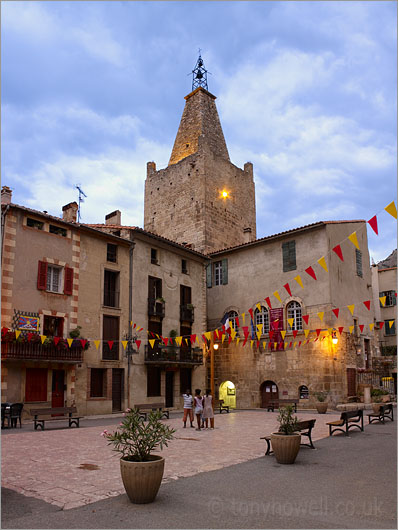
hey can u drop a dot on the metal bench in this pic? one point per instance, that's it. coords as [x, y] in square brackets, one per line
[276, 403]
[386, 411]
[223, 408]
[303, 426]
[61, 413]
[348, 419]
[145, 408]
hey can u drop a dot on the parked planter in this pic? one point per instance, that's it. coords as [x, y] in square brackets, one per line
[321, 407]
[285, 447]
[376, 407]
[142, 480]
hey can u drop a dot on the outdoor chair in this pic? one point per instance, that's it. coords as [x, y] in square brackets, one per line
[15, 414]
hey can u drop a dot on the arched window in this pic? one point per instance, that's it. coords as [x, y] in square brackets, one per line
[262, 318]
[232, 316]
[303, 392]
[294, 311]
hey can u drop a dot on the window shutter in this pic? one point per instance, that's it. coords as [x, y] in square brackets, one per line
[42, 276]
[358, 256]
[289, 256]
[208, 275]
[68, 283]
[224, 271]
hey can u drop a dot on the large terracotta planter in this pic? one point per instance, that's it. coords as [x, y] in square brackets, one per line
[376, 407]
[285, 447]
[321, 407]
[142, 480]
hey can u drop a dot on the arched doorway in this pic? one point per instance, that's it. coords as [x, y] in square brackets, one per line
[227, 392]
[269, 391]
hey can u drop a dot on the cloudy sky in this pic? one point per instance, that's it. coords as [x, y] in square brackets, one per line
[306, 91]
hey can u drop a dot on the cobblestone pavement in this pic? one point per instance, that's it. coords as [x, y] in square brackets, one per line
[74, 467]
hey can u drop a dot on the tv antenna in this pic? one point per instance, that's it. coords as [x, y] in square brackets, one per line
[81, 195]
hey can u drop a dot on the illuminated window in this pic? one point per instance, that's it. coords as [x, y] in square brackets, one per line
[294, 311]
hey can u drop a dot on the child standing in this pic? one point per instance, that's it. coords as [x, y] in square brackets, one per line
[208, 413]
[188, 403]
[198, 401]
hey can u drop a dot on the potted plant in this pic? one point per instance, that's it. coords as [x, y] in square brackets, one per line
[321, 403]
[377, 399]
[135, 440]
[286, 442]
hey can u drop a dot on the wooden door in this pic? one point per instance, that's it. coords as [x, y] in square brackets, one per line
[58, 388]
[169, 389]
[117, 389]
[269, 392]
[351, 382]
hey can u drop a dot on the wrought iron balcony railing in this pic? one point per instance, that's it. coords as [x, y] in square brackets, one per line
[156, 307]
[38, 352]
[187, 313]
[173, 355]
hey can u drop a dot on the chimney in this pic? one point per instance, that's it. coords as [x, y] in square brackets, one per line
[69, 212]
[6, 195]
[247, 235]
[114, 218]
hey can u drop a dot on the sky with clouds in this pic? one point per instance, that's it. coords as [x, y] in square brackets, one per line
[306, 91]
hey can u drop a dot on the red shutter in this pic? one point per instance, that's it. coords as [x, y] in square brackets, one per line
[68, 284]
[42, 276]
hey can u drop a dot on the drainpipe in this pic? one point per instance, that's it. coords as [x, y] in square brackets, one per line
[129, 345]
[3, 222]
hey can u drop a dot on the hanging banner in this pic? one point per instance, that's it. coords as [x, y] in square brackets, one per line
[276, 321]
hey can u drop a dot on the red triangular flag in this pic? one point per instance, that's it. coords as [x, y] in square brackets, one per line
[381, 324]
[373, 224]
[271, 334]
[336, 312]
[30, 335]
[110, 344]
[361, 326]
[224, 330]
[295, 333]
[270, 345]
[83, 342]
[316, 339]
[215, 335]
[311, 272]
[138, 343]
[268, 302]
[237, 322]
[230, 340]
[203, 338]
[286, 286]
[134, 325]
[337, 249]
[299, 343]
[193, 339]
[367, 304]
[341, 328]
[165, 340]
[290, 344]
[251, 313]
[257, 344]
[56, 340]
[306, 318]
[318, 332]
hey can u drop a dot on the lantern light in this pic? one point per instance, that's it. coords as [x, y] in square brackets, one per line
[335, 340]
[215, 346]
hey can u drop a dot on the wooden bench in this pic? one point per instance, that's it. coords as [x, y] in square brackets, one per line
[62, 413]
[304, 427]
[386, 411]
[281, 402]
[223, 408]
[348, 419]
[145, 408]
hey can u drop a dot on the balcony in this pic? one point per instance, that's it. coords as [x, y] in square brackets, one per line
[187, 313]
[156, 307]
[111, 298]
[173, 355]
[37, 352]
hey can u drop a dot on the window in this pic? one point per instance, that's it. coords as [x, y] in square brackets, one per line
[110, 336]
[232, 316]
[294, 311]
[391, 299]
[153, 381]
[54, 277]
[111, 253]
[154, 256]
[58, 230]
[184, 266]
[262, 318]
[98, 382]
[111, 288]
[358, 258]
[303, 392]
[289, 256]
[389, 330]
[36, 384]
[33, 223]
[221, 272]
[53, 326]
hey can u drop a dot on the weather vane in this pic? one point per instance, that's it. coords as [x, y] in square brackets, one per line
[199, 74]
[81, 195]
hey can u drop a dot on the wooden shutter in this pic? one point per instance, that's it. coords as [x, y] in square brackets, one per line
[224, 271]
[351, 382]
[68, 283]
[42, 276]
[289, 256]
[358, 256]
[36, 385]
[208, 275]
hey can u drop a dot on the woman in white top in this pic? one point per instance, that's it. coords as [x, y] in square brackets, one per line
[198, 401]
[188, 403]
[208, 412]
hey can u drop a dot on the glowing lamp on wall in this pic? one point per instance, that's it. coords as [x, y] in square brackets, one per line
[215, 346]
[224, 194]
[335, 340]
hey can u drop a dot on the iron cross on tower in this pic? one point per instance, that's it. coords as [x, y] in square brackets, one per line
[199, 74]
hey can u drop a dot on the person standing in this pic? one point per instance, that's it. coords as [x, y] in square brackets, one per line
[188, 404]
[198, 402]
[208, 412]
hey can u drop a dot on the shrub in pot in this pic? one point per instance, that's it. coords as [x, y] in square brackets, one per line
[321, 403]
[286, 442]
[135, 439]
[377, 398]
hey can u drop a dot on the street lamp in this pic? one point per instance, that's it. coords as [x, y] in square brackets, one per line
[335, 340]
[212, 348]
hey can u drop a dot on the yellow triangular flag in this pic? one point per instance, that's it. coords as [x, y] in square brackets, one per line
[259, 327]
[390, 323]
[222, 338]
[237, 340]
[258, 335]
[283, 333]
[69, 341]
[124, 343]
[264, 344]
[42, 337]
[391, 209]
[208, 335]
[383, 300]
[322, 263]
[97, 343]
[187, 343]
[320, 315]
[251, 343]
[351, 308]
[354, 240]
[17, 334]
[330, 331]
[243, 317]
[294, 344]
[350, 328]
[152, 342]
[306, 332]
[276, 294]
[258, 306]
[371, 326]
[285, 345]
[298, 280]
[178, 340]
[233, 334]
[290, 322]
[131, 323]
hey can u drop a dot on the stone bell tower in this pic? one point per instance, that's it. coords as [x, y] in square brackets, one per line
[201, 198]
